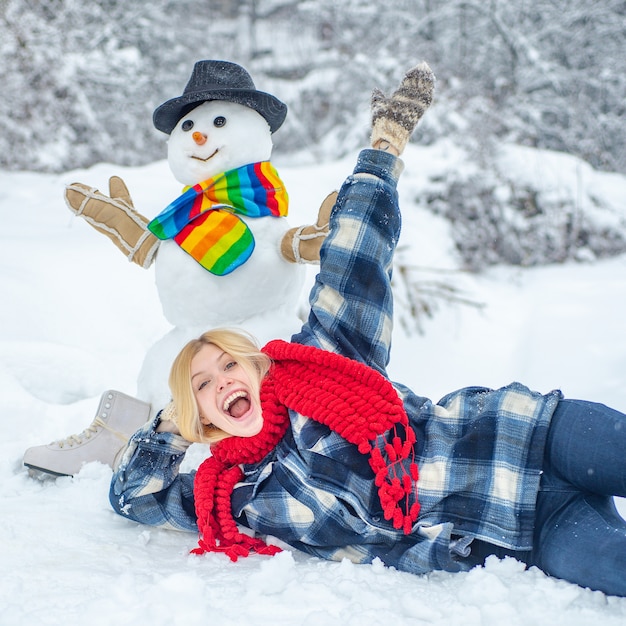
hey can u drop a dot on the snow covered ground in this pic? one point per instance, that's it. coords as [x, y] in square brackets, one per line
[77, 319]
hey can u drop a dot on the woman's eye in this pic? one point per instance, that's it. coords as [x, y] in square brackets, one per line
[203, 384]
[230, 365]
[219, 121]
[187, 125]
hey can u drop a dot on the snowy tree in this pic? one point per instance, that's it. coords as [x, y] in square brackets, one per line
[545, 73]
[81, 79]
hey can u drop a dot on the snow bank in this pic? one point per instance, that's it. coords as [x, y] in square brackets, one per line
[77, 319]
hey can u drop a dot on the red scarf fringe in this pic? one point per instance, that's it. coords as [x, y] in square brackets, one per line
[350, 398]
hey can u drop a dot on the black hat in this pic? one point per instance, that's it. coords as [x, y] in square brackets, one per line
[219, 80]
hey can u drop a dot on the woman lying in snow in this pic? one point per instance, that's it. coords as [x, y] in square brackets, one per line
[312, 444]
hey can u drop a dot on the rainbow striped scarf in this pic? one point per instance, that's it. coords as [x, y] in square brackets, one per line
[203, 220]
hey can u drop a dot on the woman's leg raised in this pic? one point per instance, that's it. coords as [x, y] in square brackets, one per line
[586, 446]
[579, 534]
[580, 537]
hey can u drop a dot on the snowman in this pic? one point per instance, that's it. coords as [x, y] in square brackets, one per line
[223, 251]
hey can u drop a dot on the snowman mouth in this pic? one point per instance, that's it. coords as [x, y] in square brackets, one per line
[193, 156]
[236, 404]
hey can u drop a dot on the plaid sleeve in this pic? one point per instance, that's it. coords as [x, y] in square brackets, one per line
[351, 300]
[147, 487]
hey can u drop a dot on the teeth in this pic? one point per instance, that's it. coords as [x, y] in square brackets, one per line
[231, 398]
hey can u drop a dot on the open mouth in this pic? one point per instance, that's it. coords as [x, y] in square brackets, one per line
[236, 404]
[193, 156]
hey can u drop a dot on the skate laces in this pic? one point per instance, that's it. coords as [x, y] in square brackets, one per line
[88, 433]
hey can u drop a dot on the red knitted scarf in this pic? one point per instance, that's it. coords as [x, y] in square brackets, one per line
[350, 398]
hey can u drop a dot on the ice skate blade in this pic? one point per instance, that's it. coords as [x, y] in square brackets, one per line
[41, 473]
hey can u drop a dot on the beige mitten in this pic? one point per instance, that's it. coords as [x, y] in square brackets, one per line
[168, 417]
[394, 119]
[302, 244]
[115, 217]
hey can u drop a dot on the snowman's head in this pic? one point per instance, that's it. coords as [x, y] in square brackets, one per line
[215, 137]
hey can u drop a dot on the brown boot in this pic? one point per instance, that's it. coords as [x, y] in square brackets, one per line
[116, 218]
[302, 244]
[394, 119]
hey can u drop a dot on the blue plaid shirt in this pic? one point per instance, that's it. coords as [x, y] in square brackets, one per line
[479, 451]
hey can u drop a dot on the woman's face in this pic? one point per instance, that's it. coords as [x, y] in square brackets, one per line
[224, 394]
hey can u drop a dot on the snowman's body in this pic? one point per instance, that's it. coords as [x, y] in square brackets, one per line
[261, 296]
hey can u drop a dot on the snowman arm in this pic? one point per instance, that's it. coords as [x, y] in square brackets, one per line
[303, 243]
[115, 217]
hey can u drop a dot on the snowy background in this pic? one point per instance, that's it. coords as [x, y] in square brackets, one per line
[543, 73]
[77, 319]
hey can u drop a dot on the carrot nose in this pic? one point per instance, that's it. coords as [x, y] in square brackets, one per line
[199, 138]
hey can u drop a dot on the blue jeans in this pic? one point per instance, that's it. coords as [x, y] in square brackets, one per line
[579, 535]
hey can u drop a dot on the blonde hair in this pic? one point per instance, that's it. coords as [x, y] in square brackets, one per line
[239, 345]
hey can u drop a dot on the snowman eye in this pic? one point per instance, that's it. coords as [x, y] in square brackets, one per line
[219, 121]
[187, 125]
